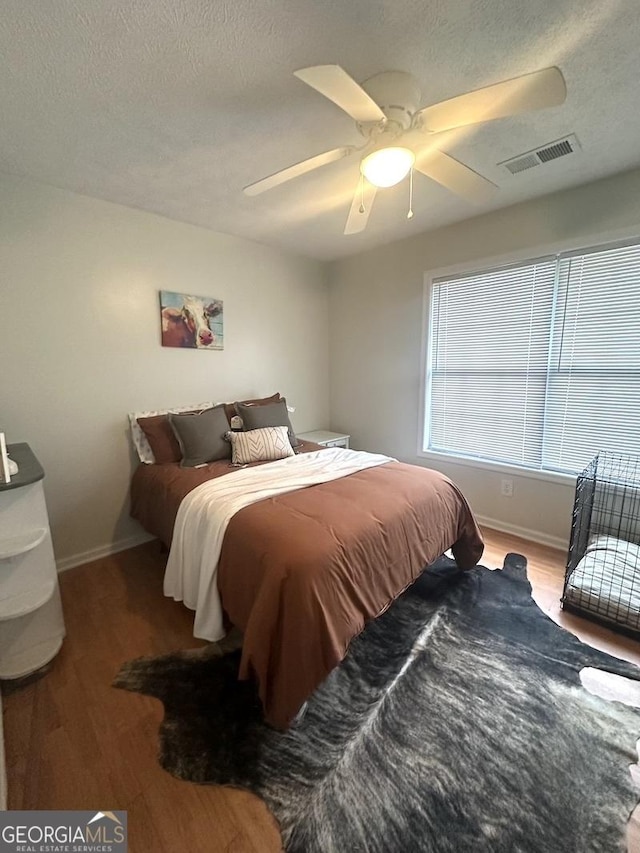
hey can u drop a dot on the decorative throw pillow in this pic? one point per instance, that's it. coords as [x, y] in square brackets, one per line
[260, 445]
[275, 414]
[140, 442]
[230, 408]
[162, 440]
[201, 436]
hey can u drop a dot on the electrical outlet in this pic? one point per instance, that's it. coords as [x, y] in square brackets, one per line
[506, 487]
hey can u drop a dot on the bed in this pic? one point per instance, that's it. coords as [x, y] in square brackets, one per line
[302, 572]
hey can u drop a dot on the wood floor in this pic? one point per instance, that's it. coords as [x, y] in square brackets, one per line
[74, 742]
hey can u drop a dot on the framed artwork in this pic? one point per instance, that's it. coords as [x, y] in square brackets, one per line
[194, 322]
[5, 476]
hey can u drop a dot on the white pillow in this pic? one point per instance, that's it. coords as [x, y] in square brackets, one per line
[138, 437]
[260, 445]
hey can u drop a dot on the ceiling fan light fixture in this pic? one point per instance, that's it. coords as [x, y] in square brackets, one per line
[387, 166]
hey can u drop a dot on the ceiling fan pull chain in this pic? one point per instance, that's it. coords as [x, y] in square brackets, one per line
[410, 212]
[361, 208]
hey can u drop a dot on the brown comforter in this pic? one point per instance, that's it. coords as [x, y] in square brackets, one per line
[301, 573]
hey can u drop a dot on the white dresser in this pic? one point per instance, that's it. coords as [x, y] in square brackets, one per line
[31, 620]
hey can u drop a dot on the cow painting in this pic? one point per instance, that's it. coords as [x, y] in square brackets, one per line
[194, 322]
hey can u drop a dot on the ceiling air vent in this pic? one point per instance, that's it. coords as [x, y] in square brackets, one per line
[559, 148]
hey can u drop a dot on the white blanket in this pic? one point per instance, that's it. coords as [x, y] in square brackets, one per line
[203, 516]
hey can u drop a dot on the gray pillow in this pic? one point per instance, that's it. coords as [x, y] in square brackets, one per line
[202, 436]
[272, 415]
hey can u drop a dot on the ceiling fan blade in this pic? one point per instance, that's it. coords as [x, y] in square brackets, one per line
[545, 88]
[297, 169]
[361, 205]
[460, 179]
[334, 83]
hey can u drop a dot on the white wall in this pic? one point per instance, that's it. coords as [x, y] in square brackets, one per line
[376, 332]
[80, 342]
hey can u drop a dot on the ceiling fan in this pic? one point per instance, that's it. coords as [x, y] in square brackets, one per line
[386, 109]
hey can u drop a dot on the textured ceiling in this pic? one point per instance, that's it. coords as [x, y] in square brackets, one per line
[173, 106]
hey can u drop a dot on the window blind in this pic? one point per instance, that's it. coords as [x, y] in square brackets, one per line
[593, 398]
[537, 364]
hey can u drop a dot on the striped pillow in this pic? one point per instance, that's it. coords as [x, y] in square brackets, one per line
[260, 445]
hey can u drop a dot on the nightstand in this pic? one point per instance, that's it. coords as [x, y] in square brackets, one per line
[31, 621]
[326, 438]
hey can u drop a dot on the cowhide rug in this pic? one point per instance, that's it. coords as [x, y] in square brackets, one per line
[457, 722]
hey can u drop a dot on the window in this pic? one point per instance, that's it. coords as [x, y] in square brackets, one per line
[537, 364]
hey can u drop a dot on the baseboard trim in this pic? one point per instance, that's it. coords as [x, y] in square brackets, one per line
[102, 551]
[523, 533]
